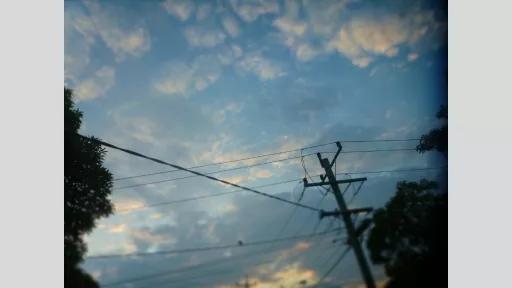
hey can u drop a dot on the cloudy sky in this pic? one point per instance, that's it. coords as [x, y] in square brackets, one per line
[199, 82]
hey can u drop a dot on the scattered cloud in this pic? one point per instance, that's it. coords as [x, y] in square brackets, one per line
[96, 85]
[181, 9]
[141, 129]
[128, 204]
[203, 11]
[231, 26]
[364, 38]
[204, 37]
[230, 54]
[261, 173]
[312, 28]
[399, 132]
[254, 174]
[118, 228]
[323, 16]
[220, 114]
[289, 26]
[217, 152]
[302, 246]
[250, 10]
[122, 41]
[228, 208]
[184, 78]
[146, 236]
[304, 33]
[289, 276]
[262, 67]
[412, 57]
[79, 36]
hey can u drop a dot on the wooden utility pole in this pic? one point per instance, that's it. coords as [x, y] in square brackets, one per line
[345, 213]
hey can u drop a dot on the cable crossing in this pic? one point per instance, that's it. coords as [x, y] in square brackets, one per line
[205, 196]
[209, 248]
[105, 144]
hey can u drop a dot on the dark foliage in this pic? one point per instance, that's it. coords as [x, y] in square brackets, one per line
[410, 233]
[410, 236]
[436, 139]
[87, 186]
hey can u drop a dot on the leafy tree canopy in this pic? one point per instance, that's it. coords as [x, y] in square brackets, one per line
[87, 186]
[437, 138]
[409, 235]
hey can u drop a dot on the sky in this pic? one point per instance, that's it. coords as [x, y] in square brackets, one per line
[199, 82]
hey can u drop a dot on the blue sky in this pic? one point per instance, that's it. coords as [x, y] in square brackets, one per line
[196, 82]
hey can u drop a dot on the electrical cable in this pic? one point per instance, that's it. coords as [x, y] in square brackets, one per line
[207, 248]
[105, 144]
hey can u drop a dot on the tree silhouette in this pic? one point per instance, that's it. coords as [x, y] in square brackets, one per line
[410, 233]
[87, 186]
[437, 138]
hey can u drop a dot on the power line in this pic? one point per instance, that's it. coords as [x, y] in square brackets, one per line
[204, 196]
[197, 173]
[206, 264]
[356, 192]
[210, 173]
[226, 162]
[260, 156]
[333, 266]
[209, 268]
[208, 248]
[189, 268]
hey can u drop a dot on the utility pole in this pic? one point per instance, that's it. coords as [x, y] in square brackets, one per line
[345, 213]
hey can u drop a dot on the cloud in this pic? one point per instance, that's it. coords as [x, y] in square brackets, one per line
[312, 28]
[79, 37]
[141, 129]
[96, 85]
[203, 11]
[412, 57]
[228, 208]
[289, 276]
[231, 26]
[121, 40]
[181, 9]
[304, 33]
[220, 114]
[118, 228]
[262, 67]
[184, 78]
[365, 38]
[204, 37]
[290, 26]
[252, 175]
[148, 237]
[250, 10]
[323, 16]
[261, 173]
[230, 54]
[126, 205]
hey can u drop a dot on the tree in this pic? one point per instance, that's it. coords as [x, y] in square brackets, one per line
[87, 186]
[409, 235]
[437, 138]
